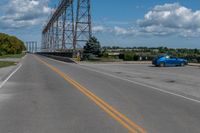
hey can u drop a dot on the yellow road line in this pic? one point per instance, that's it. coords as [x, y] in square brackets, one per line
[126, 122]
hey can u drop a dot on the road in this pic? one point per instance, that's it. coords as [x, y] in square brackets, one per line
[181, 80]
[47, 96]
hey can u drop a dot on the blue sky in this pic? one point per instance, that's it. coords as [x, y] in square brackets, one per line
[151, 23]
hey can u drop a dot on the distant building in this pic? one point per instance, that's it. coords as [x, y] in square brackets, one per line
[31, 46]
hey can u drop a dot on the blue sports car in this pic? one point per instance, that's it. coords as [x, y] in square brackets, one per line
[166, 60]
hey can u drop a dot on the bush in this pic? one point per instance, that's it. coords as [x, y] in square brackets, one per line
[10, 45]
[105, 55]
[121, 56]
[136, 57]
[128, 56]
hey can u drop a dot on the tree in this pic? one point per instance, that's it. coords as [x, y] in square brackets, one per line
[128, 56]
[10, 45]
[92, 47]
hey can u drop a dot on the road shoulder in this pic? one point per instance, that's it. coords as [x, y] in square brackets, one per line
[6, 71]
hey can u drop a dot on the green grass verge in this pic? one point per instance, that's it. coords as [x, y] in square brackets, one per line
[12, 56]
[6, 64]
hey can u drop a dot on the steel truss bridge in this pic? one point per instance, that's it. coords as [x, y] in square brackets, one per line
[67, 30]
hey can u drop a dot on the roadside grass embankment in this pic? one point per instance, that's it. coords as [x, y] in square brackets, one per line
[12, 56]
[6, 64]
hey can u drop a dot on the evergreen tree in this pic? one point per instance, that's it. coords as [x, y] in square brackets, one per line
[92, 47]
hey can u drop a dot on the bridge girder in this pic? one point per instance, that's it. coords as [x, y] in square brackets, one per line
[62, 33]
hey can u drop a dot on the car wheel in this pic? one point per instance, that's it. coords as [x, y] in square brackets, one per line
[162, 64]
[182, 64]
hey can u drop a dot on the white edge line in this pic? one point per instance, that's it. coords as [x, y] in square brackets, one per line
[145, 85]
[3, 83]
[135, 82]
[24, 57]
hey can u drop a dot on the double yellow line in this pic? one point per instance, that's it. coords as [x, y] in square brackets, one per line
[126, 122]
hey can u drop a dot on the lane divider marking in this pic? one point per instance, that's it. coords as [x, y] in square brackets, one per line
[134, 82]
[126, 122]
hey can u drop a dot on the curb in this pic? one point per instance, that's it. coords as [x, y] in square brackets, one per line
[60, 58]
[195, 65]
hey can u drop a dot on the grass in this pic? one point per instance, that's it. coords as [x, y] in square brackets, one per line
[12, 56]
[6, 64]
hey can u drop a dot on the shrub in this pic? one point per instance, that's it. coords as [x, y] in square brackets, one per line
[136, 57]
[128, 56]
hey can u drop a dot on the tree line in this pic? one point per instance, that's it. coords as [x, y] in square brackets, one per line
[10, 45]
[93, 50]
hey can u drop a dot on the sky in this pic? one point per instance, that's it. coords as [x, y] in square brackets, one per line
[126, 23]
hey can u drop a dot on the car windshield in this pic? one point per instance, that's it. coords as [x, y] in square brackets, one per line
[160, 56]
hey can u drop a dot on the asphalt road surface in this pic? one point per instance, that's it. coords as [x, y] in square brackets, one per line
[181, 80]
[47, 96]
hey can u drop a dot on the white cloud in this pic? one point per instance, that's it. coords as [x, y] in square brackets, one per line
[124, 31]
[162, 20]
[116, 30]
[22, 13]
[98, 28]
[120, 30]
[171, 19]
